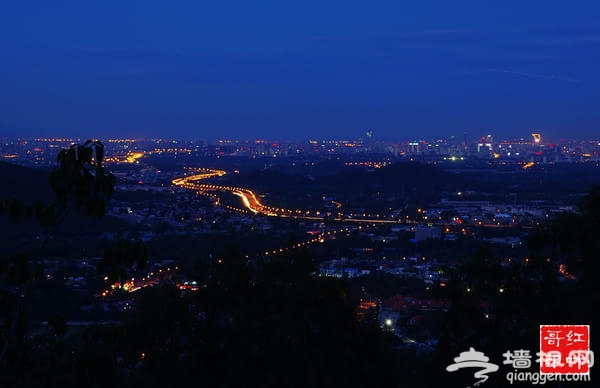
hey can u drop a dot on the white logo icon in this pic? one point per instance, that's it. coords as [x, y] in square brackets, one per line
[474, 359]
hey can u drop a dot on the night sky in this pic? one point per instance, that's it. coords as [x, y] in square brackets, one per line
[299, 69]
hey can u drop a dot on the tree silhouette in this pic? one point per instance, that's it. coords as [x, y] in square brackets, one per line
[79, 182]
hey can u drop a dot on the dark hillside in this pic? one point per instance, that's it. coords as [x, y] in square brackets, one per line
[24, 183]
[403, 182]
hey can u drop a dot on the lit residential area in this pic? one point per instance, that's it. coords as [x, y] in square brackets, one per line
[414, 243]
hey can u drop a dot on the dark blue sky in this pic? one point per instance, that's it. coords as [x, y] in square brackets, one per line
[299, 69]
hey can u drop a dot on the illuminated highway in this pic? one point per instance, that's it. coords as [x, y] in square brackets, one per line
[252, 203]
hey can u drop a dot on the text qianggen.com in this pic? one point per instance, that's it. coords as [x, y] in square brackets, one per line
[542, 378]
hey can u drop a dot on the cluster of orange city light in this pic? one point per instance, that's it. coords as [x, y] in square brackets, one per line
[528, 165]
[134, 156]
[130, 157]
[369, 164]
[120, 141]
[133, 285]
[562, 269]
[364, 307]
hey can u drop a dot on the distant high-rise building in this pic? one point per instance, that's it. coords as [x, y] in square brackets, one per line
[486, 142]
[537, 138]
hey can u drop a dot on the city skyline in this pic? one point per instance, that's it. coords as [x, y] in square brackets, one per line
[292, 71]
[466, 138]
[463, 137]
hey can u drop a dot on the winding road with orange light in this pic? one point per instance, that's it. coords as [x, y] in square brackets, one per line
[252, 203]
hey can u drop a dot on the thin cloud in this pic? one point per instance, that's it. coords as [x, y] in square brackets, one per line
[535, 75]
[440, 32]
